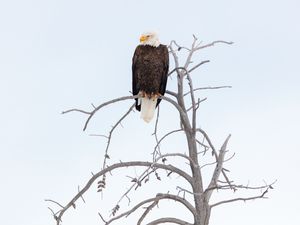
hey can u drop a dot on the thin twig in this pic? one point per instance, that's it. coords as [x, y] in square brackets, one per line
[52, 211]
[166, 135]
[146, 173]
[212, 163]
[148, 209]
[185, 190]
[209, 142]
[207, 88]
[194, 106]
[92, 113]
[156, 149]
[197, 104]
[240, 186]
[241, 199]
[169, 220]
[157, 198]
[49, 200]
[213, 43]
[111, 132]
[81, 195]
[219, 166]
[102, 218]
[199, 64]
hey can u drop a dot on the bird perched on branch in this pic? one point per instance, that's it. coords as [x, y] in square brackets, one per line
[150, 65]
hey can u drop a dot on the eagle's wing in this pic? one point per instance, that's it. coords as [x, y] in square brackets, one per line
[164, 77]
[165, 70]
[135, 81]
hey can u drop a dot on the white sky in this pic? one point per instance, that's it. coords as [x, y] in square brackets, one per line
[55, 55]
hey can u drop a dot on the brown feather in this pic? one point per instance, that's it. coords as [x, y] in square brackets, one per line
[150, 67]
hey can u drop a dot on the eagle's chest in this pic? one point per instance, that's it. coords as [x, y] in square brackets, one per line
[149, 74]
[150, 58]
[149, 66]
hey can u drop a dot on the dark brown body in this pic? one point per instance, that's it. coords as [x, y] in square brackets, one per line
[150, 67]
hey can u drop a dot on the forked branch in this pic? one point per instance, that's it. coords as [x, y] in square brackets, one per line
[92, 113]
[115, 166]
[218, 168]
[153, 202]
[241, 199]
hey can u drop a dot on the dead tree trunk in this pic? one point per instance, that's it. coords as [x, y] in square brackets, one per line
[201, 193]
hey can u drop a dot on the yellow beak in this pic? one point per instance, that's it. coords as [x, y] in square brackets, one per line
[143, 38]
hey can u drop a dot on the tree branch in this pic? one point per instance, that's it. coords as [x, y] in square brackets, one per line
[169, 220]
[49, 200]
[148, 209]
[182, 113]
[154, 200]
[241, 199]
[176, 61]
[171, 93]
[209, 142]
[199, 64]
[91, 114]
[218, 168]
[240, 186]
[189, 57]
[213, 43]
[166, 135]
[111, 132]
[157, 147]
[194, 107]
[115, 166]
[207, 88]
[180, 155]
[127, 213]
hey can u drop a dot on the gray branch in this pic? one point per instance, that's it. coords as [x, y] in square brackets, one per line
[218, 168]
[120, 165]
[96, 109]
[169, 220]
[207, 88]
[166, 135]
[153, 201]
[111, 132]
[213, 43]
[181, 111]
[241, 199]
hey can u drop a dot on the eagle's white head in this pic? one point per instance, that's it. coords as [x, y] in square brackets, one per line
[149, 38]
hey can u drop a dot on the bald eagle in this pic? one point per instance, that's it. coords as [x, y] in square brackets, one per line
[150, 65]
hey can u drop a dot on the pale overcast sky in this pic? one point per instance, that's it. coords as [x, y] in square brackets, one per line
[60, 54]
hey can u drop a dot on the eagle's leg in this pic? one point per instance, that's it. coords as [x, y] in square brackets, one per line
[142, 94]
[148, 95]
[156, 96]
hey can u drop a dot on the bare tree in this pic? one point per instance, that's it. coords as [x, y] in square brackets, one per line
[199, 144]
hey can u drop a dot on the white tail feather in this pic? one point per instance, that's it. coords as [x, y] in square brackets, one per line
[148, 108]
